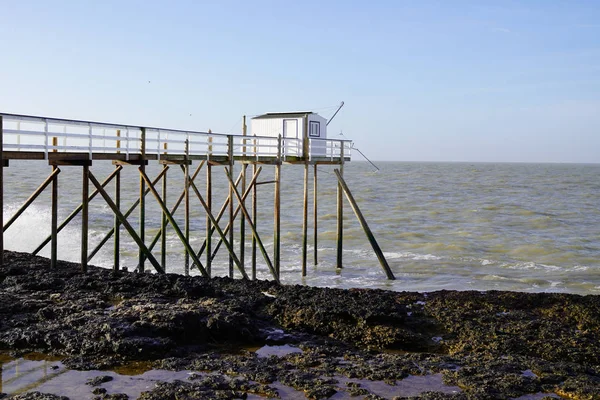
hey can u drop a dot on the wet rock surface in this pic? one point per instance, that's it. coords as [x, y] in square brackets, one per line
[488, 345]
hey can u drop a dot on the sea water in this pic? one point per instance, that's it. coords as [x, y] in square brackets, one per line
[480, 226]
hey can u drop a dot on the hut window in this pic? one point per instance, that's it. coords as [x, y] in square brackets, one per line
[315, 129]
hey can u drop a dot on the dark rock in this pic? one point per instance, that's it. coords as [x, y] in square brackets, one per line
[99, 380]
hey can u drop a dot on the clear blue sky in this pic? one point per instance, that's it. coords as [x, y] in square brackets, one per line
[422, 80]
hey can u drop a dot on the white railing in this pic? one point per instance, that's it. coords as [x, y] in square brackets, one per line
[22, 133]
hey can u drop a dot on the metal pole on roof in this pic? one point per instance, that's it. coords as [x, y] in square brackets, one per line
[335, 113]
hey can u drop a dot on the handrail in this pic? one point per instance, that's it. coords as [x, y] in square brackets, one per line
[26, 133]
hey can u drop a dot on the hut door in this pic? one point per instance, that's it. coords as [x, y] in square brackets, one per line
[290, 131]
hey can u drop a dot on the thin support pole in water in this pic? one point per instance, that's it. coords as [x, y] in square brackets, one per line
[242, 220]
[365, 226]
[231, 217]
[277, 211]
[186, 182]
[340, 211]
[142, 197]
[163, 224]
[117, 239]
[84, 217]
[126, 224]
[305, 221]
[209, 227]
[254, 220]
[315, 218]
[54, 224]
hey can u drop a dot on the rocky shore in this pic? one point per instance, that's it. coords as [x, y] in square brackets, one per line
[356, 343]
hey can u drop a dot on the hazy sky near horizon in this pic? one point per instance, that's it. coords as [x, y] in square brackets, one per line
[515, 81]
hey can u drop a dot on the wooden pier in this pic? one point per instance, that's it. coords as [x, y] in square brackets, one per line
[69, 143]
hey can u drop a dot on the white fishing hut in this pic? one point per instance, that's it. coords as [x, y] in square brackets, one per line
[296, 129]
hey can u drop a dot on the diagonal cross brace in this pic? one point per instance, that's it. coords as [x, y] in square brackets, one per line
[175, 206]
[127, 214]
[75, 212]
[247, 215]
[174, 225]
[126, 224]
[236, 260]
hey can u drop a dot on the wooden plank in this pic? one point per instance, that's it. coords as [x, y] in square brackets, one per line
[365, 226]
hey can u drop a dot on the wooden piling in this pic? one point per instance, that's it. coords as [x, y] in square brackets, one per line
[305, 221]
[231, 217]
[116, 223]
[365, 226]
[209, 228]
[277, 211]
[242, 220]
[186, 182]
[254, 221]
[85, 217]
[340, 212]
[142, 197]
[54, 223]
[315, 218]
[163, 222]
